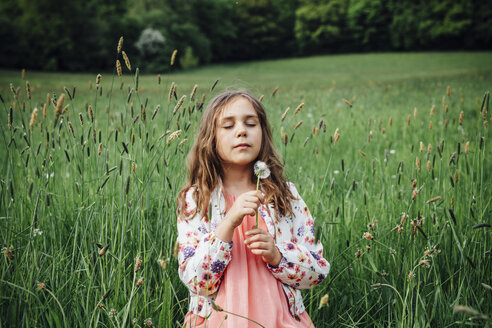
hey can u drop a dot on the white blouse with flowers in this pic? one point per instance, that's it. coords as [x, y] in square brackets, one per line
[203, 257]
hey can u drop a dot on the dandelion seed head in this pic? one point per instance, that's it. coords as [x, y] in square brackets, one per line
[261, 170]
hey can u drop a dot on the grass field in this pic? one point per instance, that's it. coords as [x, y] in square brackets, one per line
[402, 199]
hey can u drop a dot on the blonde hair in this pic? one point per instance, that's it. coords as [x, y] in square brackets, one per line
[205, 168]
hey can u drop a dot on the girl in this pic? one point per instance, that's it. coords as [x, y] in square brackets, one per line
[254, 273]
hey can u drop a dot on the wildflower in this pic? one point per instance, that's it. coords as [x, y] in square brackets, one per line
[323, 301]
[112, 312]
[368, 236]
[162, 263]
[36, 232]
[8, 253]
[41, 285]
[411, 275]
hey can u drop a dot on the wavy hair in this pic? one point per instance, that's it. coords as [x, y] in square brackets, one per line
[205, 168]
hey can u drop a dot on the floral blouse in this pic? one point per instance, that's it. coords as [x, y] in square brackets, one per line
[203, 257]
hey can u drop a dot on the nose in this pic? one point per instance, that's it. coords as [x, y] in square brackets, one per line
[241, 130]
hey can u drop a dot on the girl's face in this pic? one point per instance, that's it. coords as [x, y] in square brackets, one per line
[238, 133]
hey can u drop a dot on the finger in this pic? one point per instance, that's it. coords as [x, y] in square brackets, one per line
[256, 231]
[260, 245]
[258, 237]
[247, 211]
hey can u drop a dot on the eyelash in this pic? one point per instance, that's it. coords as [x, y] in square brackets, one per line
[248, 124]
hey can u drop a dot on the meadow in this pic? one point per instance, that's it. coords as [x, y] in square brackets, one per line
[391, 152]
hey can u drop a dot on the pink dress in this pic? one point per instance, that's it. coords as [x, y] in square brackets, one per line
[249, 289]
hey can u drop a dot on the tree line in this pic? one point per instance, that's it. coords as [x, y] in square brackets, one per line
[81, 35]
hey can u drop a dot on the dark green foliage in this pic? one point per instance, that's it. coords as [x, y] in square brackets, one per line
[81, 36]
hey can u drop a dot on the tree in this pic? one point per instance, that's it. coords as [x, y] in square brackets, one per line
[320, 25]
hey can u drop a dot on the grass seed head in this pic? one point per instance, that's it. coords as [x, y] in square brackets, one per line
[41, 285]
[298, 125]
[417, 163]
[178, 105]
[140, 282]
[127, 61]
[45, 108]
[34, 117]
[467, 147]
[421, 149]
[173, 56]
[138, 263]
[368, 236]
[415, 112]
[429, 166]
[433, 108]
[358, 254]
[448, 91]
[120, 45]
[348, 103]
[148, 322]
[274, 91]
[28, 90]
[301, 105]
[158, 78]
[59, 105]
[8, 252]
[260, 99]
[460, 121]
[23, 73]
[430, 125]
[323, 301]
[173, 136]
[408, 120]
[285, 114]
[118, 67]
[98, 79]
[415, 193]
[193, 92]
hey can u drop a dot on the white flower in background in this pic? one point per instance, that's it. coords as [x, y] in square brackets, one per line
[36, 232]
[336, 172]
[261, 170]
[392, 151]
[150, 42]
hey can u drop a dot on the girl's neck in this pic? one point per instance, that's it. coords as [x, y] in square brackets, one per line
[237, 180]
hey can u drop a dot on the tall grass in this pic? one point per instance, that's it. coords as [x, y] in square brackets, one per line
[87, 198]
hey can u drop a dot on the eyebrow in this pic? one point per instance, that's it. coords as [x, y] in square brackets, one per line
[230, 118]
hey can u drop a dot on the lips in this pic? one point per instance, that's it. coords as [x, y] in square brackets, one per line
[242, 146]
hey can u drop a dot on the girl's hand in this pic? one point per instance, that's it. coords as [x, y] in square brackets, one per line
[246, 204]
[260, 242]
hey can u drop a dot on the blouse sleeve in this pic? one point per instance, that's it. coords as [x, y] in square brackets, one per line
[202, 256]
[302, 265]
